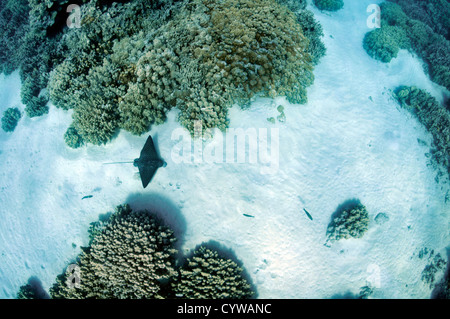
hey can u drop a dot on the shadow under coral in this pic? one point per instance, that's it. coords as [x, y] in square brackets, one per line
[348, 205]
[163, 209]
[442, 289]
[34, 287]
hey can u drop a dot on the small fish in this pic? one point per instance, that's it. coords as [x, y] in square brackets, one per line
[301, 199]
[308, 214]
[88, 196]
[247, 215]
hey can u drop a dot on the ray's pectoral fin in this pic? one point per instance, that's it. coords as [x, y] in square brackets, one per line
[147, 173]
[149, 151]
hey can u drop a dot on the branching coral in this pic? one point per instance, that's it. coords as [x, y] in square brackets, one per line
[351, 220]
[199, 56]
[129, 256]
[428, 43]
[13, 27]
[436, 264]
[329, 5]
[265, 57]
[310, 27]
[208, 276]
[100, 68]
[434, 13]
[72, 138]
[384, 43]
[431, 45]
[32, 290]
[132, 62]
[294, 5]
[10, 118]
[96, 116]
[26, 292]
[26, 46]
[153, 91]
[237, 54]
[314, 32]
[434, 116]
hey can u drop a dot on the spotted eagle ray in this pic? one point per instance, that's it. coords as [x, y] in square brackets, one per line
[148, 162]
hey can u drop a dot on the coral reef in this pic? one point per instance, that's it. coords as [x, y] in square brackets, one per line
[435, 265]
[314, 32]
[381, 218]
[329, 5]
[100, 66]
[13, 27]
[199, 56]
[35, 105]
[27, 46]
[436, 272]
[434, 116]
[384, 43]
[311, 28]
[351, 220]
[10, 118]
[132, 62]
[130, 256]
[433, 13]
[155, 89]
[294, 5]
[244, 55]
[442, 288]
[206, 275]
[26, 292]
[32, 290]
[72, 138]
[431, 45]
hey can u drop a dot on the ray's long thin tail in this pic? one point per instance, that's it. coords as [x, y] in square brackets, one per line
[117, 163]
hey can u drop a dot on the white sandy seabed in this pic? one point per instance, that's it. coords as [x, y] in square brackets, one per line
[340, 145]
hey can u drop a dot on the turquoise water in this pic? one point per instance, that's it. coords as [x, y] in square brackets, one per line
[242, 188]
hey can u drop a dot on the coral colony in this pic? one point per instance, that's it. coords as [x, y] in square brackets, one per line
[124, 66]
